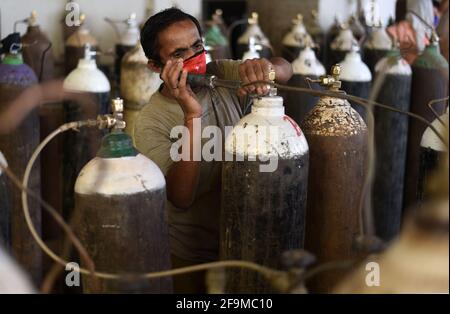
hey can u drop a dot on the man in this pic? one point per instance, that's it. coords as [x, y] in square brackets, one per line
[172, 41]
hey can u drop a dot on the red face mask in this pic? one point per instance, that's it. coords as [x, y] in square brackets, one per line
[196, 64]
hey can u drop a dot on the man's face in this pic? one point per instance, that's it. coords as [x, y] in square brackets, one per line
[180, 40]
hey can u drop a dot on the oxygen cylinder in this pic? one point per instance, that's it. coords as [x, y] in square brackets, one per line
[376, 46]
[38, 54]
[264, 186]
[74, 46]
[356, 26]
[253, 50]
[417, 261]
[432, 151]
[216, 40]
[127, 41]
[80, 147]
[429, 82]
[296, 40]
[337, 139]
[120, 198]
[137, 84]
[317, 35]
[37, 50]
[305, 66]
[17, 147]
[356, 77]
[391, 136]
[254, 31]
[5, 207]
[341, 45]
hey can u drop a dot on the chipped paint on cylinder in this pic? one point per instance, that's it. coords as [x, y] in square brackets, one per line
[432, 150]
[391, 135]
[356, 79]
[305, 66]
[120, 200]
[137, 84]
[337, 138]
[262, 207]
[429, 82]
[17, 147]
[120, 217]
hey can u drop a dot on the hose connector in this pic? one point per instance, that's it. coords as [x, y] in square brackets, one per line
[114, 120]
[332, 81]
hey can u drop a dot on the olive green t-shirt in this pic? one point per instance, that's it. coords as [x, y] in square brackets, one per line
[194, 232]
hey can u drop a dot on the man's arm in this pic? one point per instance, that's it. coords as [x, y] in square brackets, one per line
[182, 177]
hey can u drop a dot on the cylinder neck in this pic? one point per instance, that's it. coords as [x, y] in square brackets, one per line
[13, 59]
[117, 144]
[268, 106]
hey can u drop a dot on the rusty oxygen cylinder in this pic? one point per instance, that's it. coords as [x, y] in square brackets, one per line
[253, 31]
[215, 38]
[137, 84]
[429, 82]
[377, 45]
[74, 46]
[305, 66]
[17, 147]
[417, 261]
[80, 147]
[127, 40]
[356, 77]
[391, 136]
[341, 45]
[37, 50]
[5, 207]
[432, 151]
[264, 188]
[120, 198]
[337, 139]
[38, 54]
[296, 40]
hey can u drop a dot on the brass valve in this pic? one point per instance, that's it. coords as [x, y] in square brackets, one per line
[332, 81]
[114, 121]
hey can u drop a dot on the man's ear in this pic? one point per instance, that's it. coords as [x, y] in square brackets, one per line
[154, 66]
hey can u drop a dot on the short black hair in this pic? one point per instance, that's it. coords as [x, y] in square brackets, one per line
[158, 23]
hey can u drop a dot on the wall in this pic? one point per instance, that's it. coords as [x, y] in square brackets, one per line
[51, 13]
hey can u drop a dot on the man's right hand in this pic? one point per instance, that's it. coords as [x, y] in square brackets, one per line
[179, 89]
